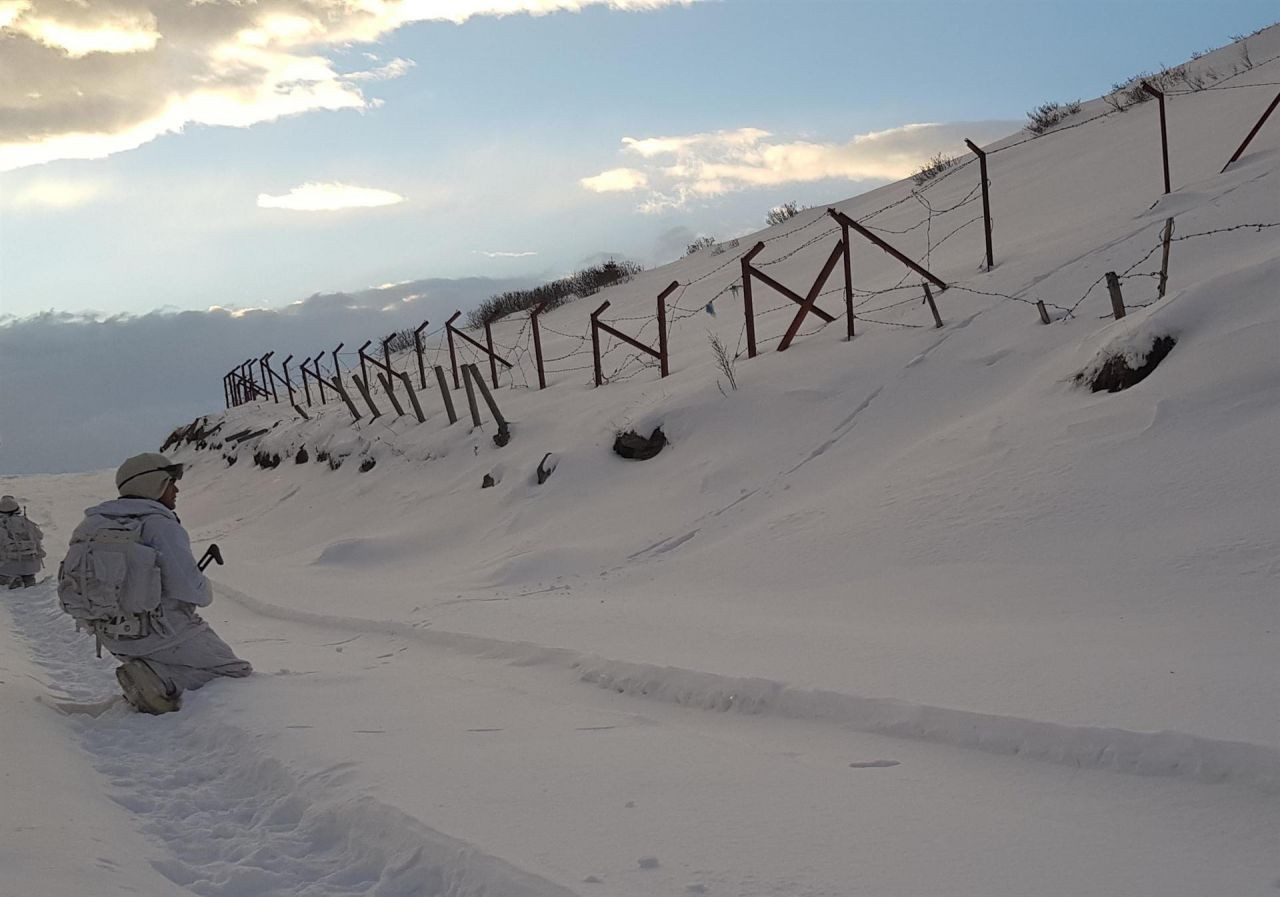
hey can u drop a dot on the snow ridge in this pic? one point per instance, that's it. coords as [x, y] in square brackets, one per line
[236, 822]
[1166, 753]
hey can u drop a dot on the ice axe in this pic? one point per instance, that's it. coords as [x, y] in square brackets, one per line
[212, 553]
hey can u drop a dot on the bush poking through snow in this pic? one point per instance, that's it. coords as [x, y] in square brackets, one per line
[1047, 115]
[931, 169]
[368, 464]
[302, 457]
[724, 361]
[1119, 372]
[699, 244]
[784, 212]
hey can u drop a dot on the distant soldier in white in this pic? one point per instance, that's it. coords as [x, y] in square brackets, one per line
[21, 548]
[130, 578]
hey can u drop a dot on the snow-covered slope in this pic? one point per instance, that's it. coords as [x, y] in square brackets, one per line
[935, 535]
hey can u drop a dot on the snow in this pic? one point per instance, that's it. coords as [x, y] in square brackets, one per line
[913, 614]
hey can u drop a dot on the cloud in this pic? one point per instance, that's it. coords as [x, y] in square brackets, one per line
[616, 180]
[54, 193]
[499, 254]
[679, 170]
[81, 392]
[317, 197]
[83, 80]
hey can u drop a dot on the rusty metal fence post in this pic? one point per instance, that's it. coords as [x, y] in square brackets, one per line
[1253, 133]
[933, 307]
[537, 343]
[417, 347]
[1164, 258]
[595, 341]
[986, 199]
[746, 297]
[453, 353]
[1164, 133]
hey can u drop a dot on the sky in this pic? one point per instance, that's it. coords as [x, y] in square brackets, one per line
[210, 158]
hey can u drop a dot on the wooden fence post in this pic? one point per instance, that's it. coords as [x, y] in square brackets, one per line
[595, 341]
[928, 297]
[663, 363]
[746, 297]
[336, 383]
[1164, 258]
[368, 399]
[453, 354]
[417, 347]
[1164, 134]
[413, 396]
[537, 343]
[1117, 299]
[391, 396]
[337, 370]
[445, 394]
[1044, 312]
[364, 371]
[315, 363]
[471, 397]
[986, 199]
[503, 436]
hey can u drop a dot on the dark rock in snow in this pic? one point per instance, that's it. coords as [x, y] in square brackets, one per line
[368, 464]
[635, 447]
[302, 457]
[487, 482]
[1116, 373]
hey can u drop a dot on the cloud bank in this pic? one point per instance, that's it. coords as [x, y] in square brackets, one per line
[84, 80]
[81, 393]
[317, 197]
[679, 170]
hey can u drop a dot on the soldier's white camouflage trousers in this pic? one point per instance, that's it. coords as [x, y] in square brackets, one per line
[194, 662]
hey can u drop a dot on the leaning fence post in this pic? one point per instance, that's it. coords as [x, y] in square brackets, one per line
[306, 387]
[417, 347]
[503, 436]
[1164, 258]
[928, 297]
[1044, 312]
[444, 394]
[368, 399]
[1117, 299]
[336, 383]
[1164, 134]
[471, 396]
[268, 376]
[391, 396]
[337, 371]
[595, 341]
[986, 199]
[413, 396]
[364, 372]
[1253, 133]
[537, 343]
[493, 360]
[453, 355]
[386, 359]
[288, 381]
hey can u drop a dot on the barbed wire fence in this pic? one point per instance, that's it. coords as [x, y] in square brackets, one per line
[696, 296]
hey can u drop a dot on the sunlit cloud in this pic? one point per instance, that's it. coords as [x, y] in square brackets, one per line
[318, 197]
[682, 169]
[55, 194]
[616, 180]
[499, 254]
[81, 80]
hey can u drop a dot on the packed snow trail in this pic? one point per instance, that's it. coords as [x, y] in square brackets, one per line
[233, 820]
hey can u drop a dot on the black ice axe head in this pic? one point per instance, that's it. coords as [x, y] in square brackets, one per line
[212, 553]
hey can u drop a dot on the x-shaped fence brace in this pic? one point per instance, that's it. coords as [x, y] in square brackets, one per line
[494, 358]
[659, 353]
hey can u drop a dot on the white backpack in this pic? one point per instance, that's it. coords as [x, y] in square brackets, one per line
[110, 581]
[18, 540]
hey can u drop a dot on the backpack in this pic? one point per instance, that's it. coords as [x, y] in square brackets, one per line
[109, 581]
[18, 540]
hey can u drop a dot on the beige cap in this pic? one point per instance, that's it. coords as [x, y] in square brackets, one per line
[146, 475]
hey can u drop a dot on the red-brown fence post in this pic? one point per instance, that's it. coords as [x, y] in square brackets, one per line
[848, 273]
[267, 375]
[364, 371]
[939, 282]
[746, 297]
[315, 363]
[933, 307]
[417, 347]
[1164, 134]
[337, 369]
[595, 341]
[1253, 133]
[386, 360]
[663, 363]
[986, 199]
[493, 359]
[537, 343]
[453, 354]
[288, 381]
[807, 305]
[306, 387]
